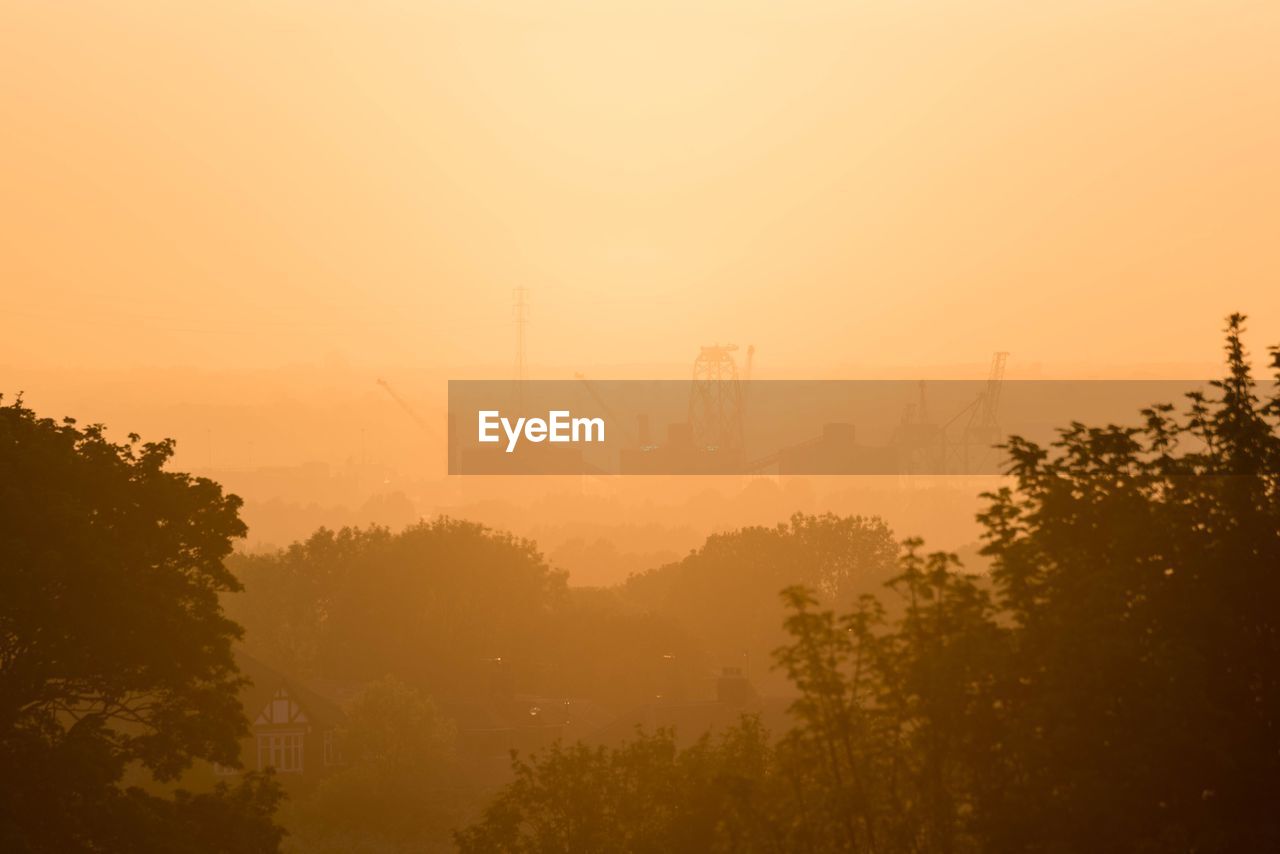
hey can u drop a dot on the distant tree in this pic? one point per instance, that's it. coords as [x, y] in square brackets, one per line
[427, 604]
[646, 796]
[114, 651]
[400, 789]
[598, 634]
[436, 603]
[725, 593]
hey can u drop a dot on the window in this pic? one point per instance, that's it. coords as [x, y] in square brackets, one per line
[281, 751]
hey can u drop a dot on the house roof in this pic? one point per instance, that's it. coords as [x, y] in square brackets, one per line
[265, 681]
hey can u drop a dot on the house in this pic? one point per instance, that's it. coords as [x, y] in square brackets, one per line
[293, 729]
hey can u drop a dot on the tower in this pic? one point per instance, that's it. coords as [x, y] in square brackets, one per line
[715, 401]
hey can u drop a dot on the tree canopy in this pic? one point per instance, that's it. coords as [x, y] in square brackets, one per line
[725, 593]
[436, 605]
[114, 650]
[398, 789]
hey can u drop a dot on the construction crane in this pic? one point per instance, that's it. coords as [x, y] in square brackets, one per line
[982, 429]
[995, 384]
[409, 410]
[608, 410]
[925, 447]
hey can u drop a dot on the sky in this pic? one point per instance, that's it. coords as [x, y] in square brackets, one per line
[245, 185]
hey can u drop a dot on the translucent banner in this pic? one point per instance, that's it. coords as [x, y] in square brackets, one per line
[727, 426]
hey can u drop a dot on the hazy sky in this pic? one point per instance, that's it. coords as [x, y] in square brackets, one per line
[260, 183]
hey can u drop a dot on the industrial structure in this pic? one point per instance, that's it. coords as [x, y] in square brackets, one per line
[619, 423]
[408, 410]
[981, 430]
[712, 436]
[715, 400]
[712, 440]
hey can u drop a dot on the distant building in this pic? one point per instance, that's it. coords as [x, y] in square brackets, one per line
[293, 729]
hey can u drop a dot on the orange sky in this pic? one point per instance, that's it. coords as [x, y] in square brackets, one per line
[237, 184]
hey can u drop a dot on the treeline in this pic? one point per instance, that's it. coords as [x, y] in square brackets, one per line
[441, 626]
[1112, 683]
[441, 603]
[1113, 686]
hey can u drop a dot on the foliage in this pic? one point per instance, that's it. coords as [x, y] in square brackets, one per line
[646, 796]
[434, 602]
[725, 592]
[114, 650]
[1140, 567]
[425, 604]
[884, 749]
[398, 791]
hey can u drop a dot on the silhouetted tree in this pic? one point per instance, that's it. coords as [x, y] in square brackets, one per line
[1140, 567]
[833, 752]
[114, 651]
[892, 717]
